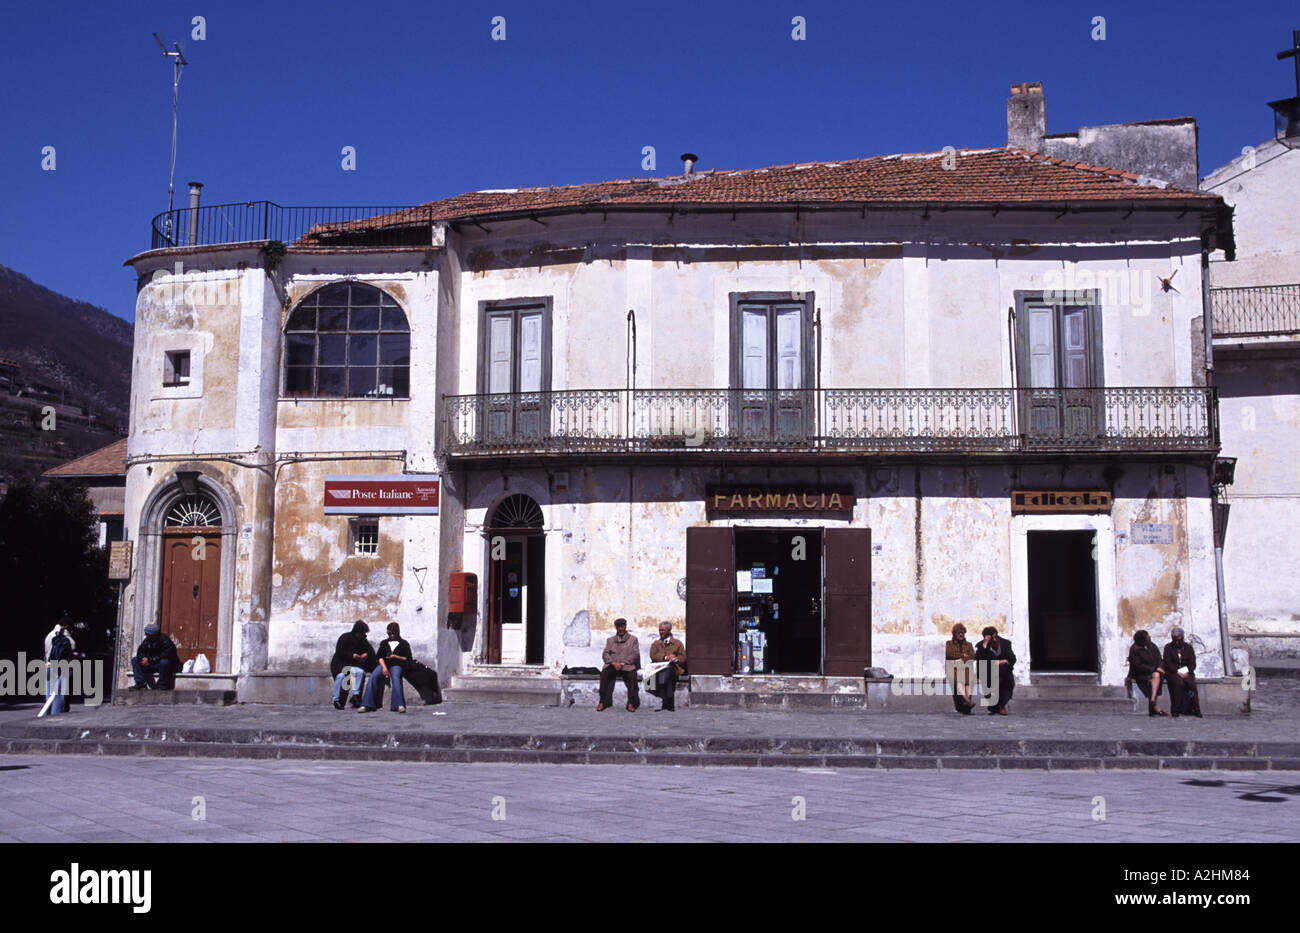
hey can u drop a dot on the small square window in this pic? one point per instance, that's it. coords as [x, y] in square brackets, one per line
[365, 537]
[176, 370]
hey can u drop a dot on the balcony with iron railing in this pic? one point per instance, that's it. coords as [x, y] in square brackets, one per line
[1256, 311]
[299, 227]
[691, 422]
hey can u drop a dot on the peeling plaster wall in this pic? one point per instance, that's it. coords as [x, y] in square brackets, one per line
[615, 546]
[930, 298]
[1259, 392]
[293, 589]
[905, 302]
[319, 586]
[223, 310]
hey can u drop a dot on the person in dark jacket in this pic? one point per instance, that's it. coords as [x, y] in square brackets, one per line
[1146, 669]
[1180, 669]
[394, 651]
[353, 659]
[997, 654]
[155, 663]
[60, 648]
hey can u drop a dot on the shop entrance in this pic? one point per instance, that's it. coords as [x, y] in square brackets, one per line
[516, 590]
[1062, 601]
[779, 601]
[813, 616]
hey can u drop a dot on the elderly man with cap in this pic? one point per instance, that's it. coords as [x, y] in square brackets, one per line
[1180, 674]
[622, 657]
[155, 663]
[353, 659]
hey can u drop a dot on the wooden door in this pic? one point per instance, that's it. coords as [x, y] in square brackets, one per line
[710, 600]
[191, 588]
[847, 615]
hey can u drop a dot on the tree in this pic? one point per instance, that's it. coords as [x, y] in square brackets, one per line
[50, 563]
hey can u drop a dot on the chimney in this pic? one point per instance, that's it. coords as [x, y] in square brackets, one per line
[688, 162]
[1026, 116]
[192, 238]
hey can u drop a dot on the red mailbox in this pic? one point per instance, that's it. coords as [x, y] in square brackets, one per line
[464, 593]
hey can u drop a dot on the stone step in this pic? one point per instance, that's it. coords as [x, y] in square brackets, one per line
[510, 694]
[1057, 691]
[1098, 706]
[503, 682]
[177, 697]
[1056, 756]
[739, 699]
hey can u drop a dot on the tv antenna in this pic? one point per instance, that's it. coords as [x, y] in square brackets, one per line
[178, 62]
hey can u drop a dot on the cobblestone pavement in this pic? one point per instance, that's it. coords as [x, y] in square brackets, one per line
[85, 799]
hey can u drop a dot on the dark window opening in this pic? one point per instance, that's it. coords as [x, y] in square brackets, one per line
[176, 370]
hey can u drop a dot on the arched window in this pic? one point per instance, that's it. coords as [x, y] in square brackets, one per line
[516, 513]
[347, 340]
[197, 511]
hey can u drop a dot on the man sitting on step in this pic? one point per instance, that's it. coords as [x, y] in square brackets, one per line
[668, 648]
[622, 657]
[155, 663]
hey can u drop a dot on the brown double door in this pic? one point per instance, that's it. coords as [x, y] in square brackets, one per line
[191, 586]
[713, 601]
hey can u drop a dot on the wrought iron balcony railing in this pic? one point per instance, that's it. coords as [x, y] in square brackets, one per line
[1000, 420]
[1256, 311]
[260, 221]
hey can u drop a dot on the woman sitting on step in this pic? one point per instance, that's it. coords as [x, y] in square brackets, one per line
[1145, 668]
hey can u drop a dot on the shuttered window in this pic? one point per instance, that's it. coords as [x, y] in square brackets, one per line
[1059, 366]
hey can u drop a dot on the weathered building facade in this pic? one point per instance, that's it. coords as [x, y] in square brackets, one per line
[812, 415]
[1256, 326]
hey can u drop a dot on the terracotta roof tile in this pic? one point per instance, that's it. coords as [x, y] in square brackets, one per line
[107, 461]
[1004, 175]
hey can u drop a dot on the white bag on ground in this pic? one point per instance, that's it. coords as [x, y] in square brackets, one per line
[188, 667]
[202, 665]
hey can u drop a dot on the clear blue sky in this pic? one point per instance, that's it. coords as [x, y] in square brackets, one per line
[434, 107]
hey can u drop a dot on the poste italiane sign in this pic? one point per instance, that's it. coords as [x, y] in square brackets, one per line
[392, 494]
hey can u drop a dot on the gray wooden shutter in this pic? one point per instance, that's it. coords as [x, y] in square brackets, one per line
[1044, 402]
[531, 404]
[1080, 406]
[846, 614]
[755, 410]
[790, 400]
[500, 376]
[710, 600]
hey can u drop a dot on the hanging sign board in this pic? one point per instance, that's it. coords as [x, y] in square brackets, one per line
[119, 560]
[393, 494]
[1089, 501]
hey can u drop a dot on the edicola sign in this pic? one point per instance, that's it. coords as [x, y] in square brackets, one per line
[1060, 500]
[394, 494]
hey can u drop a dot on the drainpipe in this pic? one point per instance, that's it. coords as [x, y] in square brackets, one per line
[630, 371]
[1216, 491]
[192, 236]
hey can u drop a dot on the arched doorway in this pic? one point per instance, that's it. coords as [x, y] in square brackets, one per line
[516, 596]
[191, 576]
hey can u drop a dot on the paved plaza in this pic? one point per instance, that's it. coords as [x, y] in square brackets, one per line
[49, 798]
